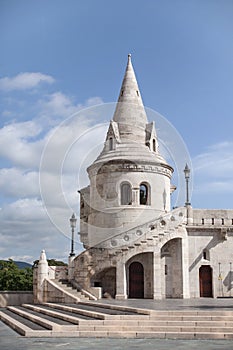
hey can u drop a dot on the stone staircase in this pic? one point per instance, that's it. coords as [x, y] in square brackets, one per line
[132, 242]
[67, 287]
[91, 319]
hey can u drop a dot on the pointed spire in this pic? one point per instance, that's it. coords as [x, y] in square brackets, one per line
[129, 89]
[130, 113]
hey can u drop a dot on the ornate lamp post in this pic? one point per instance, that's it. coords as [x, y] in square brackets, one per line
[187, 177]
[73, 221]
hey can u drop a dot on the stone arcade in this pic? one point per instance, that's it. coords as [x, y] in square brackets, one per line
[135, 245]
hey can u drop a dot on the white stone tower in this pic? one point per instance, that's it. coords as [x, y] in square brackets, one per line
[130, 180]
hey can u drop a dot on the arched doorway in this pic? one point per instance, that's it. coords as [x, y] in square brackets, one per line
[136, 280]
[107, 280]
[205, 280]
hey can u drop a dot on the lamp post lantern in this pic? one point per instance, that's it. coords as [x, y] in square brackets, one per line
[187, 177]
[73, 221]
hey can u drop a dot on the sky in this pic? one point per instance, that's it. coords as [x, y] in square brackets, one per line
[61, 58]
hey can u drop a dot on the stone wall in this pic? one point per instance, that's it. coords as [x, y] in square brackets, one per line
[210, 248]
[15, 298]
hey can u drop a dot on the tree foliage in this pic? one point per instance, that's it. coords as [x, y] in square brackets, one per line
[14, 279]
[51, 262]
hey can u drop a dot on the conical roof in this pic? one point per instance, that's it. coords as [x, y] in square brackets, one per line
[130, 113]
[130, 128]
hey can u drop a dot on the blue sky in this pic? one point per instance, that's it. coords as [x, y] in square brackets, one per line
[58, 57]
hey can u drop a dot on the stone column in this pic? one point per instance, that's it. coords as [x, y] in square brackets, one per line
[121, 284]
[189, 214]
[135, 196]
[157, 293]
[42, 275]
[185, 268]
[71, 268]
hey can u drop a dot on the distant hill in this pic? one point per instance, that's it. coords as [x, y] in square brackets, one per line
[20, 264]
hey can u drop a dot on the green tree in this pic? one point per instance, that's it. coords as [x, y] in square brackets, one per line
[51, 262]
[14, 279]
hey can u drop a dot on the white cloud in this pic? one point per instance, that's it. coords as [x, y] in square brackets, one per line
[18, 144]
[57, 106]
[17, 183]
[26, 230]
[25, 225]
[24, 81]
[216, 162]
[213, 183]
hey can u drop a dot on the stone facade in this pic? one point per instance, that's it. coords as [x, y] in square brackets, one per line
[135, 245]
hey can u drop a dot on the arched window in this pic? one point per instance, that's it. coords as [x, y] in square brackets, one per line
[110, 143]
[126, 194]
[144, 195]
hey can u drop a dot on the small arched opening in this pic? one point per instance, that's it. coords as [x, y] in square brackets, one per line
[110, 143]
[154, 145]
[126, 194]
[144, 194]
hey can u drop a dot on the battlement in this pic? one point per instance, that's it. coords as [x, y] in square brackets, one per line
[213, 217]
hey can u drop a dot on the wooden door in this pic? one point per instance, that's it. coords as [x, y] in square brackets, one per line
[136, 280]
[205, 279]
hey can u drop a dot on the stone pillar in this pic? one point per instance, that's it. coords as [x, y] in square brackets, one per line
[189, 214]
[135, 196]
[157, 293]
[42, 274]
[185, 268]
[71, 268]
[121, 284]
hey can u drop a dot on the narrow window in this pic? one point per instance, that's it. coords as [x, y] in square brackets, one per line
[165, 269]
[232, 221]
[154, 148]
[137, 92]
[202, 221]
[206, 254]
[126, 194]
[122, 91]
[110, 144]
[143, 194]
[222, 221]
[148, 144]
[212, 221]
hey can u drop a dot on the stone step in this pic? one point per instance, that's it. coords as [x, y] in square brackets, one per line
[123, 308]
[92, 319]
[52, 313]
[77, 310]
[158, 313]
[120, 324]
[21, 327]
[47, 324]
[158, 328]
[207, 317]
[72, 290]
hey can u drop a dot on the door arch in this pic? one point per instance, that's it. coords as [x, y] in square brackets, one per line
[136, 280]
[205, 281]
